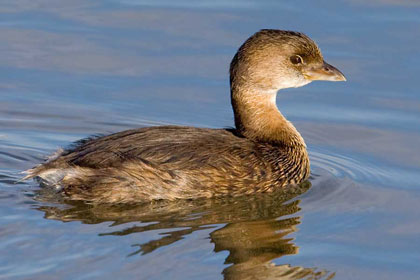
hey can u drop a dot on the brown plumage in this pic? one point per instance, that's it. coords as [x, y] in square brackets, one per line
[263, 153]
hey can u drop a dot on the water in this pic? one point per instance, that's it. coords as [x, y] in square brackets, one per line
[76, 68]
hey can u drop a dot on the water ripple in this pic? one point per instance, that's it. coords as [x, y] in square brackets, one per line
[344, 166]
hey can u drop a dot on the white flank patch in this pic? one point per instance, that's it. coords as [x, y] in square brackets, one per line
[53, 177]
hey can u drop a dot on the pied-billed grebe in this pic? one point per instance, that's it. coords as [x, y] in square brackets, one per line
[263, 153]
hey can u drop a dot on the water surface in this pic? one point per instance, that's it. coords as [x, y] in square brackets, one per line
[76, 68]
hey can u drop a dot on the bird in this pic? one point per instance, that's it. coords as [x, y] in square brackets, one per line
[262, 153]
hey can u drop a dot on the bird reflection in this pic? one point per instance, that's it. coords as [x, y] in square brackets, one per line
[255, 232]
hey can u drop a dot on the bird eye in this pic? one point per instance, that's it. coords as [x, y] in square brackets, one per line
[296, 59]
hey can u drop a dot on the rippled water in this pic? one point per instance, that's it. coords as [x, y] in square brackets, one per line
[70, 69]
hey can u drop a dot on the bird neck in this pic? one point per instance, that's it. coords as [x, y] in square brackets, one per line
[258, 118]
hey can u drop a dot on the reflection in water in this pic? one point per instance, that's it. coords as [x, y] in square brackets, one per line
[255, 233]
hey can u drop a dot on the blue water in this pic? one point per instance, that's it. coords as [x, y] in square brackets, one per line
[70, 69]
